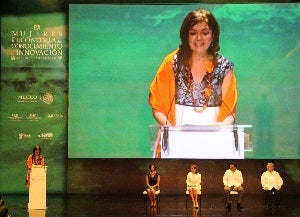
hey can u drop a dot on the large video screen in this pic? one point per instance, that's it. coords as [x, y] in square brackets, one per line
[115, 51]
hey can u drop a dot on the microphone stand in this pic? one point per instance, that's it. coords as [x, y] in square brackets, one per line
[235, 135]
[165, 139]
[234, 126]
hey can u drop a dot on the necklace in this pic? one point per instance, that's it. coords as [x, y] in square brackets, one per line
[208, 89]
[152, 174]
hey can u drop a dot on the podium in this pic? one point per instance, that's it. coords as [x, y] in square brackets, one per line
[202, 141]
[37, 188]
[36, 213]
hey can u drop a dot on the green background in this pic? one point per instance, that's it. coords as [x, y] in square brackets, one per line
[29, 76]
[115, 51]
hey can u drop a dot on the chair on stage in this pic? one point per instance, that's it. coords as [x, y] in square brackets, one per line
[275, 199]
[232, 194]
[145, 194]
[187, 195]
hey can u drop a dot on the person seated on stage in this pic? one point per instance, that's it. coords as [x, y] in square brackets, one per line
[193, 181]
[233, 180]
[152, 184]
[271, 182]
[34, 159]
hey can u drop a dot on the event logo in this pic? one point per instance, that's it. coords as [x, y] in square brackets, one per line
[28, 98]
[55, 116]
[24, 136]
[36, 43]
[14, 117]
[33, 117]
[46, 135]
[47, 98]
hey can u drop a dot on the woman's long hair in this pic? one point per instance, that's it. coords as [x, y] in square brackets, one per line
[191, 19]
[33, 154]
[151, 166]
[36, 148]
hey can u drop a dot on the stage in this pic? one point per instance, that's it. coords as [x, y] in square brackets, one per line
[133, 206]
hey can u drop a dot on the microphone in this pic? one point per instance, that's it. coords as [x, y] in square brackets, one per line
[235, 135]
[234, 126]
[165, 139]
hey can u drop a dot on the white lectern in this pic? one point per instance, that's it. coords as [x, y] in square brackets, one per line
[37, 188]
[203, 141]
[37, 212]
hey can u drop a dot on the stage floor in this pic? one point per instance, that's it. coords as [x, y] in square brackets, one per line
[133, 206]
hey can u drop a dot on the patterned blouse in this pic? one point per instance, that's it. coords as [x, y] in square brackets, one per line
[183, 94]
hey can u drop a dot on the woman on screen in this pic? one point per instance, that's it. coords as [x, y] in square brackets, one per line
[195, 84]
[34, 159]
[152, 184]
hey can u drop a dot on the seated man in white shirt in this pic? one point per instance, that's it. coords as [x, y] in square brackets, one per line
[271, 183]
[233, 180]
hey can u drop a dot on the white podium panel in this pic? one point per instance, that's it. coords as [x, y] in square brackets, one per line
[37, 188]
[204, 142]
[210, 145]
[37, 212]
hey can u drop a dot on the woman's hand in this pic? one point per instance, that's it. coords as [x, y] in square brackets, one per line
[228, 120]
[160, 117]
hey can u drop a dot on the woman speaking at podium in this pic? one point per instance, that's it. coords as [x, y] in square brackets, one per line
[195, 85]
[34, 159]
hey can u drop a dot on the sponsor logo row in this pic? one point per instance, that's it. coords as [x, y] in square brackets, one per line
[44, 135]
[34, 117]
